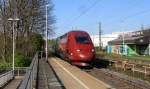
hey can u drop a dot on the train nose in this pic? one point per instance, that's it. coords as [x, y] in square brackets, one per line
[86, 56]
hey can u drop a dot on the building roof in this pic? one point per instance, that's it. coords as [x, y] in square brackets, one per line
[137, 37]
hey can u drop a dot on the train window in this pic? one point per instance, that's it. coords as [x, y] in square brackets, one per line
[63, 39]
[82, 39]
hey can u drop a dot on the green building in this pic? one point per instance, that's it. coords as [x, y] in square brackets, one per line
[131, 43]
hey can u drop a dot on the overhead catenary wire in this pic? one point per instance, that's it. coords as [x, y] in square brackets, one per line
[120, 20]
[85, 12]
[136, 14]
[129, 16]
[123, 19]
[88, 9]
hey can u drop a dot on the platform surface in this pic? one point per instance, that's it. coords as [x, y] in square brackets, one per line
[14, 83]
[46, 77]
[74, 78]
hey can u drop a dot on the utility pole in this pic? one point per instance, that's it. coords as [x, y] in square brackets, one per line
[142, 27]
[14, 37]
[46, 44]
[100, 33]
[123, 44]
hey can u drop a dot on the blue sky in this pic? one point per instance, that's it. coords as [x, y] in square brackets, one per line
[115, 15]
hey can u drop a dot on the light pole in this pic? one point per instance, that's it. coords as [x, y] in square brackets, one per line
[123, 44]
[46, 36]
[123, 50]
[100, 33]
[13, 19]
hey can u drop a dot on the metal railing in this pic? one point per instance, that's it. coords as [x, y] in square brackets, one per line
[20, 71]
[6, 77]
[30, 77]
[135, 71]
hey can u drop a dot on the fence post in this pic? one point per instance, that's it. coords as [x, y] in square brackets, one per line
[133, 68]
[41, 54]
[145, 71]
[18, 71]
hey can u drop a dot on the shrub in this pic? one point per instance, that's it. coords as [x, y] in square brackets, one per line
[21, 60]
[101, 54]
[4, 65]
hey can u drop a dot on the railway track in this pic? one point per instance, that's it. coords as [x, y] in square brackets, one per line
[117, 80]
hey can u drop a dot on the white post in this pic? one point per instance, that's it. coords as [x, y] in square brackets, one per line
[13, 47]
[93, 40]
[13, 19]
[125, 49]
[123, 44]
[46, 36]
[149, 48]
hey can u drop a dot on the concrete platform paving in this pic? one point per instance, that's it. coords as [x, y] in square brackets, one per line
[14, 83]
[46, 77]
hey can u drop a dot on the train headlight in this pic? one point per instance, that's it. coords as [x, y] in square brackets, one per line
[78, 50]
[93, 50]
[71, 54]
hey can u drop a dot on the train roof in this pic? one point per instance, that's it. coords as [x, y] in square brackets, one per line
[76, 31]
[72, 31]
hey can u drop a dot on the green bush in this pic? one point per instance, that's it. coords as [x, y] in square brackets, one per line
[4, 65]
[101, 54]
[116, 56]
[21, 60]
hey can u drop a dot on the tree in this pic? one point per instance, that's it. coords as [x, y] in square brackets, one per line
[29, 29]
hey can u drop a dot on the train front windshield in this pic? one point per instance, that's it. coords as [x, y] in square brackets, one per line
[82, 39]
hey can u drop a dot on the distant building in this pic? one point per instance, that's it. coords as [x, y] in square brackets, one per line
[104, 39]
[131, 43]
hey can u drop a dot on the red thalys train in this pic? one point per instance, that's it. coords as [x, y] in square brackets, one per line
[76, 47]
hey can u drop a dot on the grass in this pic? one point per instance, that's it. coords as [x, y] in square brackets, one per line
[145, 58]
[4, 66]
[137, 75]
[132, 74]
[121, 57]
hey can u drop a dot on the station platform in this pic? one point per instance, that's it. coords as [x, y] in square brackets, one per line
[14, 83]
[46, 77]
[74, 78]
[59, 74]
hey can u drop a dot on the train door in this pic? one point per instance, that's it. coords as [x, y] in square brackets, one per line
[69, 48]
